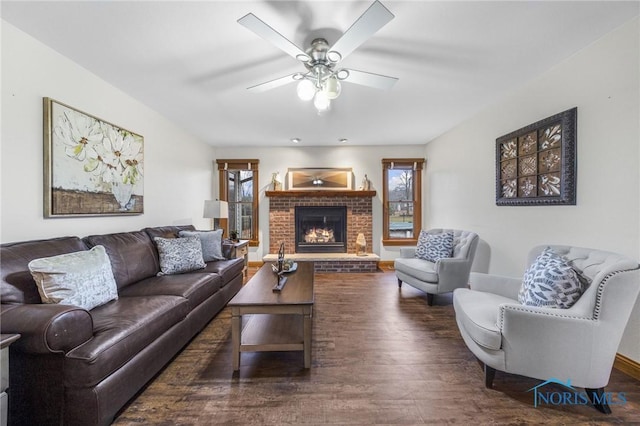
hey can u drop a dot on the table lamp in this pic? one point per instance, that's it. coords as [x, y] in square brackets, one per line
[216, 210]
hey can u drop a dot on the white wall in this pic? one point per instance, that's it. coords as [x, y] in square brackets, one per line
[178, 170]
[362, 159]
[602, 81]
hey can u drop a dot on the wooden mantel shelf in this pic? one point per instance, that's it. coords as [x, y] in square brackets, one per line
[320, 193]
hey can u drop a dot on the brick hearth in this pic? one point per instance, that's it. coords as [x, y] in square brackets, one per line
[359, 220]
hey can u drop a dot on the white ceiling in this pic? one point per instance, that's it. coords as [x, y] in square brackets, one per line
[192, 62]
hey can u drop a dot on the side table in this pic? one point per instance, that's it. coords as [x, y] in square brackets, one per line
[241, 250]
[5, 341]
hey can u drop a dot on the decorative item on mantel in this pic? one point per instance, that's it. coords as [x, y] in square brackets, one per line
[361, 245]
[366, 184]
[275, 182]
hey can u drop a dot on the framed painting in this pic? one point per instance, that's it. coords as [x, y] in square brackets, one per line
[536, 165]
[91, 167]
[325, 179]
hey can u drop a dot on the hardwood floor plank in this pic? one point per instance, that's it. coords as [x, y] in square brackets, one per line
[380, 355]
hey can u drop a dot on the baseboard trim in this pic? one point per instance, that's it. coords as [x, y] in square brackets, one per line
[627, 366]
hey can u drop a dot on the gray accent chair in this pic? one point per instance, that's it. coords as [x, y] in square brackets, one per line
[443, 276]
[577, 344]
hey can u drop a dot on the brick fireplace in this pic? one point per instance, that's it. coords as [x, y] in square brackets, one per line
[359, 219]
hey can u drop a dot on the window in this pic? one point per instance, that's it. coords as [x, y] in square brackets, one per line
[239, 187]
[401, 200]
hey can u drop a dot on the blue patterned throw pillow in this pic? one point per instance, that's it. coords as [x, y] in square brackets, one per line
[179, 255]
[551, 282]
[433, 247]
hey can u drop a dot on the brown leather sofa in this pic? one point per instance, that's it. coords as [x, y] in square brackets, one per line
[77, 367]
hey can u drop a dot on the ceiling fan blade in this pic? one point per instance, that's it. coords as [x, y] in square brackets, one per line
[255, 24]
[262, 87]
[369, 79]
[374, 18]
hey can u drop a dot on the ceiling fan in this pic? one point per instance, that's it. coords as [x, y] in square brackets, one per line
[321, 81]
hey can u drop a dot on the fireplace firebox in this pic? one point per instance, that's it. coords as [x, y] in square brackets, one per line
[321, 229]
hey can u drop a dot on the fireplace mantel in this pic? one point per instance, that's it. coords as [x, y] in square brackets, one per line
[320, 193]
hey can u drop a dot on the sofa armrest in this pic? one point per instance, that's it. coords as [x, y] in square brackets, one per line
[227, 249]
[496, 284]
[46, 328]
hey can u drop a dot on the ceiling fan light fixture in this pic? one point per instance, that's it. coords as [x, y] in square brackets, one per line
[306, 90]
[332, 88]
[321, 101]
[322, 82]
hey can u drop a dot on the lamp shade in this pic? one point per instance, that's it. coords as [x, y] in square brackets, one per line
[216, 209]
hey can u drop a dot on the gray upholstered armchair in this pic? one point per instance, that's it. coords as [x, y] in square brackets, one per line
[442, 276]
[577, 344]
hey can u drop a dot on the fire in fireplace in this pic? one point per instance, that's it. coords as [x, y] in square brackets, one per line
[321, 229]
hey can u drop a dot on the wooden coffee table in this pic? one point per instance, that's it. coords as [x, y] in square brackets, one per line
[273, 321]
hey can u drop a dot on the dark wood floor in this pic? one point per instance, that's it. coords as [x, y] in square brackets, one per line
[380, 356]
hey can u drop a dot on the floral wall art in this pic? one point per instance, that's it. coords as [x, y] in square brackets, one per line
[92, 167]
[536, 165]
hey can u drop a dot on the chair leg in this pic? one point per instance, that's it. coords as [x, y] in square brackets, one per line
[399, 283]
[430, 299]
[599, 400]
[489, 375]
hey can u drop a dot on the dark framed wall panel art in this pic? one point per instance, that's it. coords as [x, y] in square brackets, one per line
[536, 165]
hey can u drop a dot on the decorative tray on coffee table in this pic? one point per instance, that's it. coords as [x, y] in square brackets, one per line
[292, 268]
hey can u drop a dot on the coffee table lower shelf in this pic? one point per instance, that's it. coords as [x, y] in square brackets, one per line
[261, 332]
[268, 333]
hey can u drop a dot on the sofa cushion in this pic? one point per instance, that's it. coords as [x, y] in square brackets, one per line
[433, 247]
[167, 231]
[133, 255]
[16, 282]
[211, 242]
[477, 312]
[227, 269]
[121, 330]
[423, 270]
[196, 287]
[83, 278]
[550, 281]
[178, 255]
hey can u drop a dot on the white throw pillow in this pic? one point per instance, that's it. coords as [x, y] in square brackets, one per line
[433, 247]
[551, 282]
[179, 255]
[211, 242]
[83, 278]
